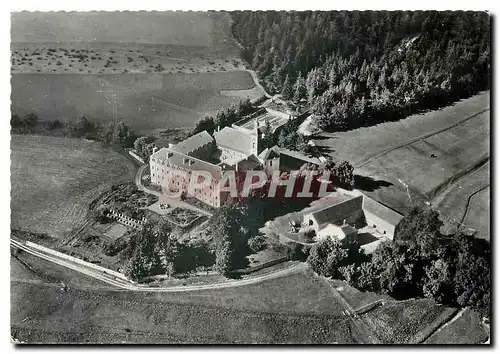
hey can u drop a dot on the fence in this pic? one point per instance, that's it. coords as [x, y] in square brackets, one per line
[77, 260]
[126, 220]
[135, 156]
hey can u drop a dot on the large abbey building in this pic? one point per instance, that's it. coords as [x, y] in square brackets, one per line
[231, 148]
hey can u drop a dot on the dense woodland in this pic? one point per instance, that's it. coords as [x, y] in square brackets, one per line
[361, 68]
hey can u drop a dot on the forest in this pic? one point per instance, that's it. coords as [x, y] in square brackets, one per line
[360, 68]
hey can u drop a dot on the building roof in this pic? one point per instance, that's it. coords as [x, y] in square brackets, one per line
[187, 162]
[192, 143]
[235, 139]
[381, 211]
[331, 212]
[300, 156]
[267, 153]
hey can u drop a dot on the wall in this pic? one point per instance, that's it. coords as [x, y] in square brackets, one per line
[380, 225]
[230, 154]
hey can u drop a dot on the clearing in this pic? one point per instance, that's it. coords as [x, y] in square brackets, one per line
[420, 157]
[54, 179]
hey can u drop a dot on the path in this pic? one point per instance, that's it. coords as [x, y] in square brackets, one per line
[91, 270]
[364, 329]
[257, 83]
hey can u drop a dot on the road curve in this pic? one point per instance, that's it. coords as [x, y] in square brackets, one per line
[121, 284]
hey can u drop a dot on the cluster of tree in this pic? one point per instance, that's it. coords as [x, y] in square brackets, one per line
[82, 127]
[152, 250]
[224, 118]
[342, 174]
[230, 236]
[420, 262]
[290, 139]
[144, 146]
[362, 68]
[27, 121]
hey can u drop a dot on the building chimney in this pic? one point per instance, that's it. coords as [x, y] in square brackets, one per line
[155, 149]
[218, 128]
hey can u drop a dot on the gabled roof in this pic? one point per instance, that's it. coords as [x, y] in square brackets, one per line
[192, 143]
[235, 139]
[332, 212]
[269, 153]
[381, 211]
[187, 162]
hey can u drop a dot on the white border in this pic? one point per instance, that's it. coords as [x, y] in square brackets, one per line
[88, 5]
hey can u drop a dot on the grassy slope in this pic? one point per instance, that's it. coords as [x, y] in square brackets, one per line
[456, 149]
[267, 313]
[453, 202]
[464, 330]
[179, 100]
[53, 179]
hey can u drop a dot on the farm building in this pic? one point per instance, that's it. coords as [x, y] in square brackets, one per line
[352, 214]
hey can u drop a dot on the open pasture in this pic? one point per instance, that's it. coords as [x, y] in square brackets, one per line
[54, 179]
[419, 158]
[146, 102]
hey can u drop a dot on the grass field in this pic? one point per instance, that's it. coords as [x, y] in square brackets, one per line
[403, 321]
[267, 313]
[414, 158]
[297, 308]
[156, 70]
[54, 179]
[99, 42]
[192, 29]
[146, 102]
[465, 329]
[467, 201]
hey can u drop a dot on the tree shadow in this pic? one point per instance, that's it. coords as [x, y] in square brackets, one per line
[369, 184]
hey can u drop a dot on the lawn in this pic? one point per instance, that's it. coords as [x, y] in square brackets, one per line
[54, 179]
[146, 102]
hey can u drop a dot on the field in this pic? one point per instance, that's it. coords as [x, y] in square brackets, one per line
[418, 158]
[266, 313]
[407, 321]
[154, 71]
[145, 102]
[467, 328]
[467, 201]
[296, 308]
[54, 179]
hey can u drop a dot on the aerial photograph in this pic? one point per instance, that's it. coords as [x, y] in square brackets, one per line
[250, 177]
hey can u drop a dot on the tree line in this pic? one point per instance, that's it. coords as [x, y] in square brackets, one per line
[109, 133]
[362, 68]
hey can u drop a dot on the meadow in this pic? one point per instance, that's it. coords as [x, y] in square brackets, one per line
[54, 179]
[146, 102]
[154, 71]
[416, 158]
